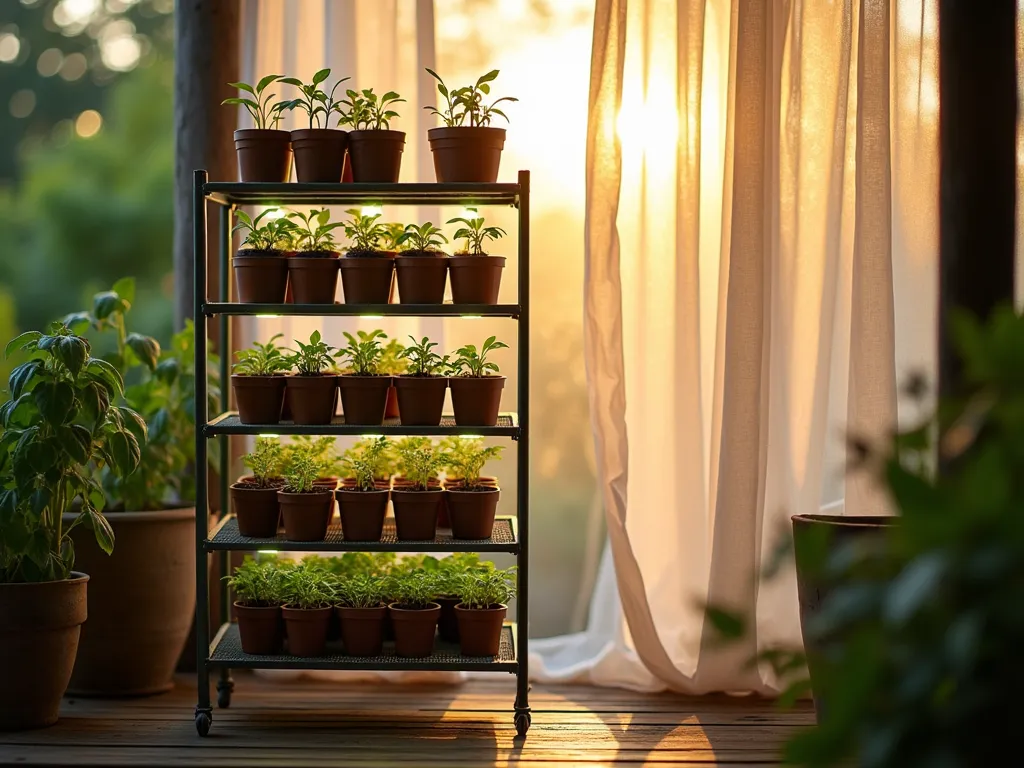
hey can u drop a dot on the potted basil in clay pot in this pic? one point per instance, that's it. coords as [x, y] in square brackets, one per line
[383, 463]
[319, 150]
[367, 270]
[416, 503]
[264, 152]
[475, 274]
[313, 268]
[259, 593]
[374, 151]
[305, 507]
[454, 447]
[451, 571]
[481, 614]
[309, 599]
[361, 610]
[422, 267]
[476, 392]
[364, 503]
[414, 612]
[467, 148]
[472, 505]
[254, 498]
[422, 388]
[364, 390]
[261, 264]
[258, 381]
[311, 391]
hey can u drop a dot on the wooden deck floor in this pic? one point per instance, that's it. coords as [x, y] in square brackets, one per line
[307, 724]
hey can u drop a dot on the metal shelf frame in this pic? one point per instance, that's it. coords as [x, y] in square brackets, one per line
[511, 533]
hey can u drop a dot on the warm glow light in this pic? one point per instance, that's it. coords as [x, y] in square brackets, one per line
[372, 317]
[272, 212]
[469, 213]
[269, 435]
[10, 47]
[471, 317]
[266, 551]
[372, 210]
[472, 437]
[651, 125]
[371, 437]
[265, 317]
[88, 123]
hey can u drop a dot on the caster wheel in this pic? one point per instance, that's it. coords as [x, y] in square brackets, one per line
[223, 698]
[522, 723]
[203, 723]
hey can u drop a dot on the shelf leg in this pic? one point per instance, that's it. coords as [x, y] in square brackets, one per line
[225, 687]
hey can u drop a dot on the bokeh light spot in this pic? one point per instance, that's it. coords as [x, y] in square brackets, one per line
[88, 123]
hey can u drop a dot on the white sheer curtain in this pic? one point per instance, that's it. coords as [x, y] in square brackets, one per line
[761, 179]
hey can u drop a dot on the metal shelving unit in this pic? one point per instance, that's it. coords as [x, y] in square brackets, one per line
[511, 534]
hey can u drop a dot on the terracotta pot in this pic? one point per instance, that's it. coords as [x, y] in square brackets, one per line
[416, 513]
[364, 398]
[472, 512]
[480, 629]
[475, 279]
[319, 154]
[421, 399]
[142, 601]
[362, 630]
[307, 630]
[414, 629]
[376, 156]
[263, 154]
[313, 276]
[476, 399]
[421, 278]
[261, 277]
[306, 515]
[362, 513]
[259, 398]
[261, 629]
[311, 398]
[448, 623]
[391, 409]
[256, 509]
[367, 279]
[38, 642]
[465, 153]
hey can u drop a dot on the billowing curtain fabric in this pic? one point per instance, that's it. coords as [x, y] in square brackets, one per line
[761, 183]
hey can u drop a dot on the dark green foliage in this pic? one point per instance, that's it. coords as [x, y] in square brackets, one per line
[468, 101]
[475, 234]
[472, 363]
[258, 584]
[423, 361]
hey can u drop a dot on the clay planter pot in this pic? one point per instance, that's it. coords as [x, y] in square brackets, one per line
[475, 279]
[448, 623]
[362, 513]
[311, 398]
[261, 277]
[307, 630]
[256, 509]
[142, 601]
[465, 153]
[391, 409]
[476, 399]
[261, 629]
[313, 276]
[480, 629]
[444, 519]
[472, 512]
[319, 154]
[259, 398]
[364, 398]
[421, 399]
[306, 515]
[416, 513]
[414, 629]
[376, 156]
[421, 277]
[367, 279]
[263, 154]
[38, 642]
[362, 630]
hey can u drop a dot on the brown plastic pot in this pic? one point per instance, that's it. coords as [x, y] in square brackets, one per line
[472, 512]
[307, 630]
[475, 279]
[263, 154]
[364, 398]
[362, 513]
[416, 513]
[259, 398]
[448, 623]
[256, 509]
[421, 278]
[376, 155]
[421, 399]
[391, 409]
[313, 276]
[260, 628]
[367, 279]
[476, 399]
[414, 629]
[306, 515]
[480, 629]
[319, 154]
[362, 630]
[466, 153]
[311, 398]
[261, 277]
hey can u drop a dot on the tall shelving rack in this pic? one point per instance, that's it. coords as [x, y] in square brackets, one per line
[511, 534]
